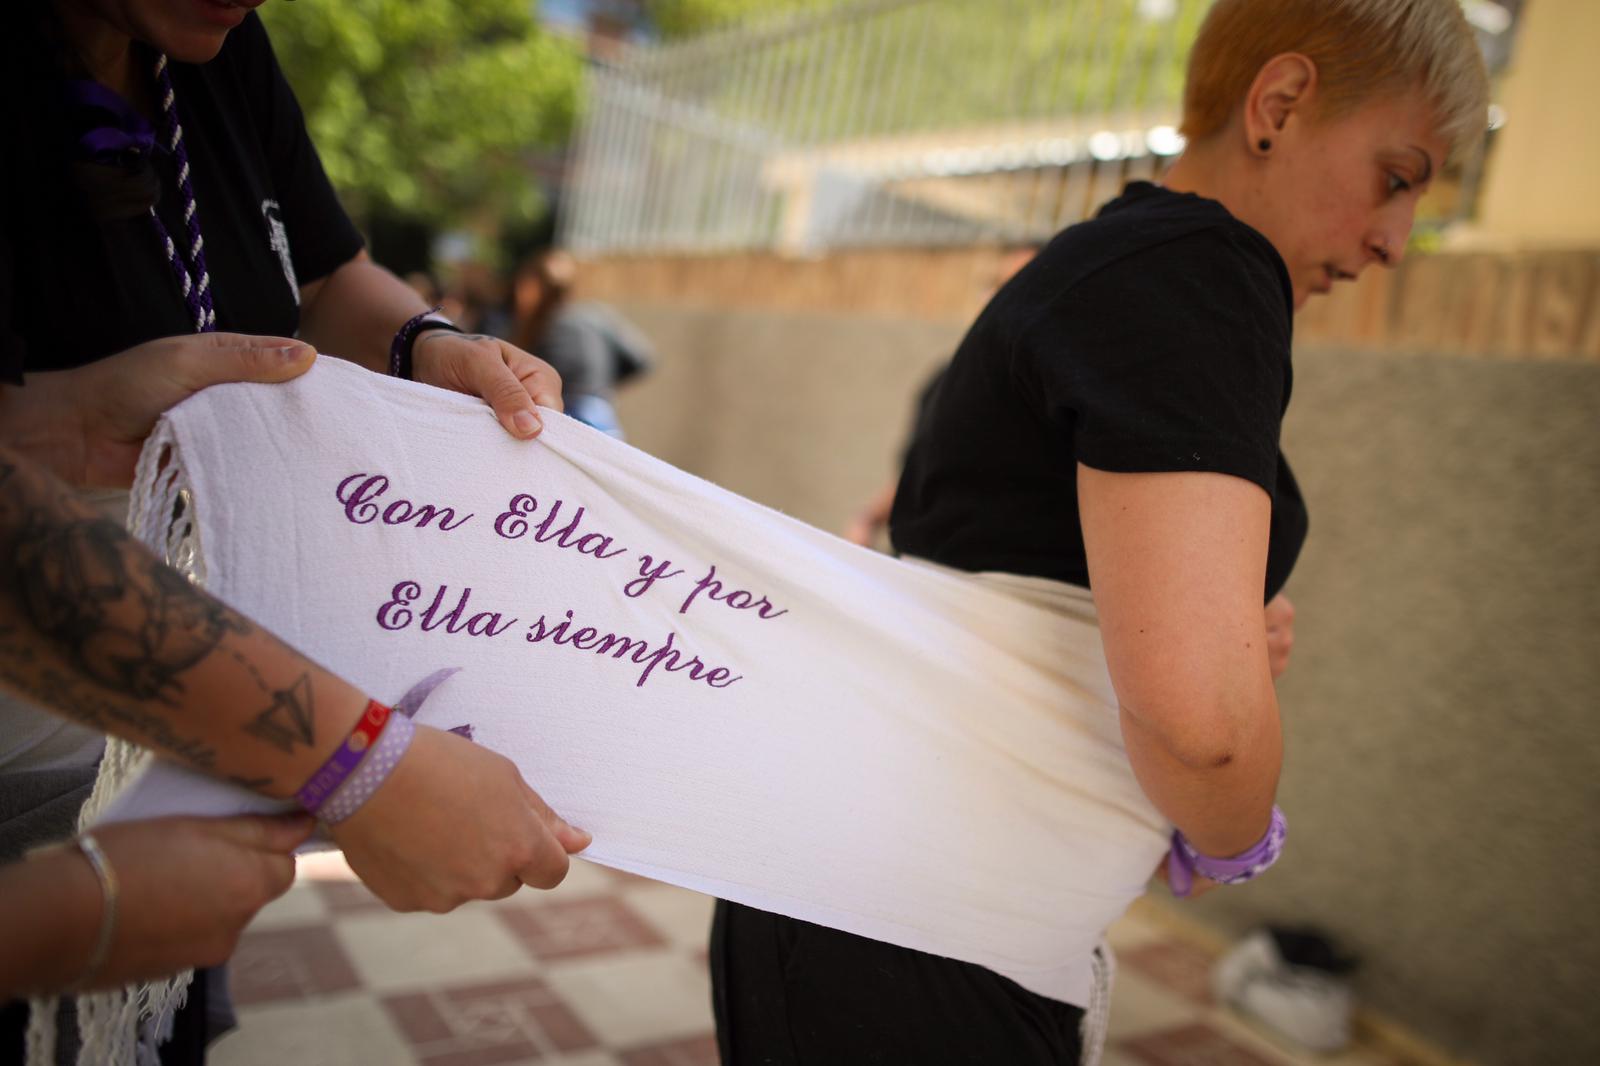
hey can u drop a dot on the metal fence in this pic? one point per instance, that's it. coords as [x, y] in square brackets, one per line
[888, 122]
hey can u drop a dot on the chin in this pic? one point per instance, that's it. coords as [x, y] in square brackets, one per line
[193, 46]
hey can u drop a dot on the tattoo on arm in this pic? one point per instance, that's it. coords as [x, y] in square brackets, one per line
[76, 590]
[289, 719]
[129, 623]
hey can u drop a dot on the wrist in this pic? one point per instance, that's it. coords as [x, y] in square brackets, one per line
[294, 729]
[54, 902]
[402, 349]
[1186, 862]
[345, 707]
[330, 778]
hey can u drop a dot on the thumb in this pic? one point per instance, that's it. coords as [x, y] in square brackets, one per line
[280, 833]
[230, 357]
[501, 389]
[571, 838]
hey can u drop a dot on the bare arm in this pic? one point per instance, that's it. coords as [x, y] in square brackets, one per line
[94, 627]
[222, 869]
[355, 312]
[1178, 563]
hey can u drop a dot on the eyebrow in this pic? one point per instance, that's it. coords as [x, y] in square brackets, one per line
[1427, 164]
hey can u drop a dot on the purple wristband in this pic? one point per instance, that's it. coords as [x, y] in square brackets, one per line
[349, 793]
[322, 784]
[373, 772]
[1184, 862]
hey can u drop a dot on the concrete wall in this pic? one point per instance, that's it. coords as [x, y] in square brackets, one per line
[1535, 304]
[1443, 708]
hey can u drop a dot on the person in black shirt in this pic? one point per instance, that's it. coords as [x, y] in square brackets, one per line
[166, 224]
[92, 189]
[1111, 420]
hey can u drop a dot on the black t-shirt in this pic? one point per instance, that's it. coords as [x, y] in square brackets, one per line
[1154, 337]
[75, 287]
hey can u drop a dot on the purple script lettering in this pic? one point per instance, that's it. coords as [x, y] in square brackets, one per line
[395, 615]
[508, 524]
[649, 573]
[738, 599]
[511, 524]
[358, 491]
[619, 647]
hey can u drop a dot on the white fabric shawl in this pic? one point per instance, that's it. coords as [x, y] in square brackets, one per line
[780, 718]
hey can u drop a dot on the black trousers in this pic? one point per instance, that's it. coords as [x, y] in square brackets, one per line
[789, 993]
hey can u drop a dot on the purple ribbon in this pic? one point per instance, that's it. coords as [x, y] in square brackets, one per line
[126, 134]
[1184, 862]
[412, 701]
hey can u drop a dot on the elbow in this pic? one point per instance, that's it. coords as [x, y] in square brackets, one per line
[1204, 738]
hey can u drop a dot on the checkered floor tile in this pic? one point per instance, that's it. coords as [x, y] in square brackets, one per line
[607, 970]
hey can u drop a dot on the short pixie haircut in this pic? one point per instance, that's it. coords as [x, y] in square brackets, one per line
[1362, 49]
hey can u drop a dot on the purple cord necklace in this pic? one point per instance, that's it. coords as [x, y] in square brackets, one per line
[189, 269]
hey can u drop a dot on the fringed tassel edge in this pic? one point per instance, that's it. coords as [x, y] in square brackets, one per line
[1097, 1019]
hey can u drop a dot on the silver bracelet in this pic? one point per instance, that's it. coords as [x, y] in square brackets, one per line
[90, 847]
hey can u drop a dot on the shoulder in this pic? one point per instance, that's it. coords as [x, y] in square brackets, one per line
[1167, 256]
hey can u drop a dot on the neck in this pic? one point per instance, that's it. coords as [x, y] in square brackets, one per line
[1206, 170]
[104, 49]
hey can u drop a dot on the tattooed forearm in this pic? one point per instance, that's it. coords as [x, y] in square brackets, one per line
[80, 702]
[290, 718]
[129, 623]
[96, 628]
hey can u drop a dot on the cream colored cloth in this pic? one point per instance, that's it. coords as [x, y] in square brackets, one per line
[778, 717]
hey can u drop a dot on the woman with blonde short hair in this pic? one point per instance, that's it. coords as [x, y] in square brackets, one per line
[1112, 421]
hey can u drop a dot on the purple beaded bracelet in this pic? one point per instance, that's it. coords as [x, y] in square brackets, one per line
[405, 339]
[1184, 862]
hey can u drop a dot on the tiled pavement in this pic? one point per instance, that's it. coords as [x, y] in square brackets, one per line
[607, 970]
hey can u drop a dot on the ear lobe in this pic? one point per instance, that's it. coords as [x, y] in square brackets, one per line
[1283, 87]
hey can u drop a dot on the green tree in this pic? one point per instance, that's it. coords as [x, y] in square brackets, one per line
[425, 111]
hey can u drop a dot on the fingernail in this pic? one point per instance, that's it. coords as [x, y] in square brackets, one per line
[526, 424]
[289, 352]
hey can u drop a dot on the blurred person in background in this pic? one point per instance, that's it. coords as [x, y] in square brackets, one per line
[591, 346]
[423, 284]
[161, 199]
[1111, 421]
[874, 514]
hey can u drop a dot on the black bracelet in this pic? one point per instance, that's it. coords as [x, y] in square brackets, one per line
[405, 339]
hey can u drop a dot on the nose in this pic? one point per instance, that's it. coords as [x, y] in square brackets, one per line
[1386, 253]
[1387, 240]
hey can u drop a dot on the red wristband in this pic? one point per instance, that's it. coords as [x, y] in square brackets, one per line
[315, 792]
